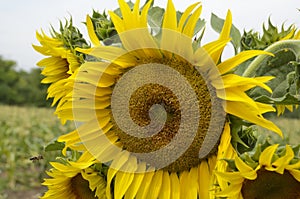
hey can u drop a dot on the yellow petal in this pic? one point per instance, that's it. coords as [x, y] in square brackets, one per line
[246, 112]
[165, 191]
[290, 35]
[221, 42]
[232, 191]
[117, 21]
[126, 12]
[231, 177]
[91, 32]
[144, 188]
[214, 49]
[193, 183]
[117, 163]
[170, 17]
[136, 9]
[184, 184]
[185, 15]
[155, 185]
[175, 186]
[144, 13]
[266, 156]
[293, 166]
[241, 165]
[232, 80]
[245, 170]
[189, 28]
[203, 180]
[234, 94]
[231, 63]
[281, 163]
[225, 33]
[137, 181]
[296, 174]
[116, 55]
[124, 179]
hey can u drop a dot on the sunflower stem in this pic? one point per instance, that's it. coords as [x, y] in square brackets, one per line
[291, 45]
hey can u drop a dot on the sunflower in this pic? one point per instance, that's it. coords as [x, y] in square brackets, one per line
[274, 174]
[60, 65]
[154, 108]
[62, 60]
[75, 180]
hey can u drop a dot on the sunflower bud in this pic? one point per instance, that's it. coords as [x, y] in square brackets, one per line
[252, 40]
[71, 37]
[103, 27]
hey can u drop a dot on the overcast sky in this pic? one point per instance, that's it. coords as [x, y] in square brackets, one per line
[19, 19]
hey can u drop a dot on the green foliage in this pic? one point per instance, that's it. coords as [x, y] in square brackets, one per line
[24, 133]
[284, 66]
[18, 87]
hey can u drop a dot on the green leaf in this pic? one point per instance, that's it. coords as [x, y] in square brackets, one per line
[217, 24]
[287, 99]
[284, 66]
[54, 146]
[155, 19]
[200, 25]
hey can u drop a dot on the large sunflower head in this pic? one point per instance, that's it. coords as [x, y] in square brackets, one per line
[154, 106]
[76, 179]
[266, 172]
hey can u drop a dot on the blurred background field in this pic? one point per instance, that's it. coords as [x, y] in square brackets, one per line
[24, 132]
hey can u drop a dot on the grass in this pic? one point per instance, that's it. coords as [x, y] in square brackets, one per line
[25, 131]
[289, 127]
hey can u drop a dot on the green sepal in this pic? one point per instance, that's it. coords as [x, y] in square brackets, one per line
[217, 24]
[242, 133]
[101, 168]
[296, 150]
[54, 145]
[256, 152]
[69, 35]
[246, 157]
[231, 164]
[62, 160]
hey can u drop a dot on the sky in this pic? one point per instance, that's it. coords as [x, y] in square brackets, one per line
[19, 20]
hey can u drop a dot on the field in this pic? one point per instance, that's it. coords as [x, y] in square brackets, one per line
[24, 133]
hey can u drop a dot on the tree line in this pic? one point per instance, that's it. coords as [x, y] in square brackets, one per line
[19, 87]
